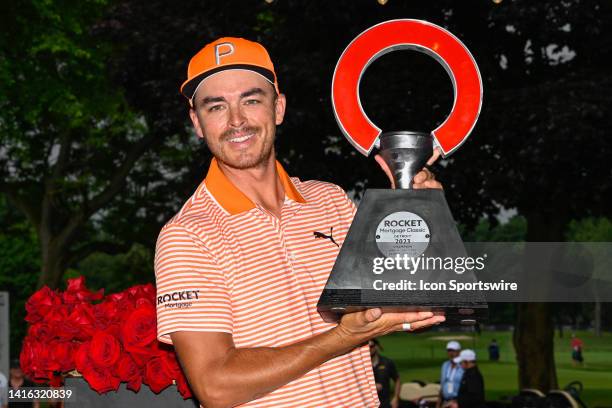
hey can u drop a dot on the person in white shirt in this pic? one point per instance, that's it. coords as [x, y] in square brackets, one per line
[3, 391]
[450, 375]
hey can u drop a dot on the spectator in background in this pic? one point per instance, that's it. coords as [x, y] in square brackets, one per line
[3, 391]
[450, 375]
[384, 372]
[577, 346]
[471, 390]
[494, 350]
[18, 381]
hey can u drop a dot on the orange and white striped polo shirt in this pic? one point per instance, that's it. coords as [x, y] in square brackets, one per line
[225, 264]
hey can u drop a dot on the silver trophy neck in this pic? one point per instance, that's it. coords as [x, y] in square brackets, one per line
[406, 153]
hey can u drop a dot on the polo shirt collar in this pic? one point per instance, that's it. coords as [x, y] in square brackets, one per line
[235, 201]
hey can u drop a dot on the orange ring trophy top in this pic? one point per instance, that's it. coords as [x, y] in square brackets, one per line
[416, 35]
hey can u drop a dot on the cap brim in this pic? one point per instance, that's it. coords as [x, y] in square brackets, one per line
[189, 87]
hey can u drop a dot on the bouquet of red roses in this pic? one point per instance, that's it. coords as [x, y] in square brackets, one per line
[106, 339]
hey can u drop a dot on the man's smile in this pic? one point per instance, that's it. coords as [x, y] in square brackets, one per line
[240, 139]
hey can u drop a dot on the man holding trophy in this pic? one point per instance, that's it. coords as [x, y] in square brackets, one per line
[241, 267]
[250, 332]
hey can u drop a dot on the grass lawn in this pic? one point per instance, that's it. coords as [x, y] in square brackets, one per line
[419, 357]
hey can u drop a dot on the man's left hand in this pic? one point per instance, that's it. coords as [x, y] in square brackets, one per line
[423, 179]
[395, 403]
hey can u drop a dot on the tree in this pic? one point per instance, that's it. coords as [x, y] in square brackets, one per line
[546, 105]
[19, 267]
[592, 230]
[70, 143]
[544, 96]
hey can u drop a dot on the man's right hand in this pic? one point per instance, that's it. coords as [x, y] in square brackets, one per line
[222, 375]
[359, 327]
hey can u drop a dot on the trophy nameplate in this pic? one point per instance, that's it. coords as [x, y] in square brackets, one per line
[397, 228]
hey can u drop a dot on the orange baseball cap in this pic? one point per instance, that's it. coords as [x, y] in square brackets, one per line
[227, 53]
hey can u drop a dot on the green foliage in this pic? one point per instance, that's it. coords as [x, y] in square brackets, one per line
[70, 142]
[19, 268]
[590, 229]
[115, 273]
[512, 231]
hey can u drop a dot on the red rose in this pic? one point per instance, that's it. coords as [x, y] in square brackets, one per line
[156, 377]
[82, 361]
[77, 292]
[169, 362]
[123, 303]
[26, 357]
[63, 354]
[129, 372]
[104, 349]
[82, 321]
[100, 379]
[40, 303]
[38, 360]
[183, 386]
[107, 313]
[41, 331]
[139, 329]
[172, 367]
[142, 292]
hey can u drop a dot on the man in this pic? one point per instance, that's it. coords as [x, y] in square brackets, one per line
[239, 269]
[576, 345]
[18, 381]
[471, 390]
[450, 375]
[384, 372]
[494, 350]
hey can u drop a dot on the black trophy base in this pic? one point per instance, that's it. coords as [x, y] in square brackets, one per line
[336, 302]
[404, 223]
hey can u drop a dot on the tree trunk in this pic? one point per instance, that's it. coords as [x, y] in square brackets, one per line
[53, 265]
[597, 319]
[533, 341]
[534, 332]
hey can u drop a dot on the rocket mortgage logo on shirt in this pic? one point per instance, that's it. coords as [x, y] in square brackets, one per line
[179, 299]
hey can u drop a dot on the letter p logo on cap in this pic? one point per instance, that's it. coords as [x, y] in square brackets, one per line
[219, 51]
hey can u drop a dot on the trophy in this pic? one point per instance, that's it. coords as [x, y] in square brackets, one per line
[403, 249]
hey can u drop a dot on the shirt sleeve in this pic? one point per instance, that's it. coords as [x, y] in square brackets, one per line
[192, 293]
[347, 205]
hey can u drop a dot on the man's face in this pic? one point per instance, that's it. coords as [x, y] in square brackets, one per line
[236, 112]
[16, 373]
[452, 353]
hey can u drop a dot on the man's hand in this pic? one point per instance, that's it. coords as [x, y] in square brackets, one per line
[395, 403]
[359, 327]
[222, 375]
[423, 179]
